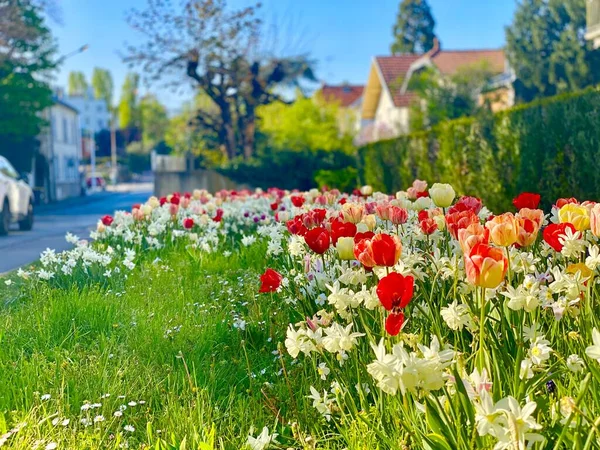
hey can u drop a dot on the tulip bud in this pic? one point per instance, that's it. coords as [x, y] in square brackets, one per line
[504, 229]
[345, 248]
[370, 221]
[146, 209]
[422, 203]
[595, 220]
[362, 227]
[442, 194]
[153, 202]
[100, 228]
[366, 190]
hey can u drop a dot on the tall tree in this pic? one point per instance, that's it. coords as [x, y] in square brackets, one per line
[77, 85]
[154, 121]
[26, 62]
[102, 83]
[222, 52]
[547, 49]
[414, 28]
[128, 105]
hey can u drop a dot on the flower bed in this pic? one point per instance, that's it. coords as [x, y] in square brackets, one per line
[410, 321]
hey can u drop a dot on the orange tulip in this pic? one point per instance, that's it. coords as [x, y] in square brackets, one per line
[503, 229]
[486, 266]
[471, 236]
[528, 231]
[595, 220]
[535, 215]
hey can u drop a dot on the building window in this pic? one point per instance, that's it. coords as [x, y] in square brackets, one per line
[65, 135]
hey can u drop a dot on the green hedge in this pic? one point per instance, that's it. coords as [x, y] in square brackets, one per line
[551, 147]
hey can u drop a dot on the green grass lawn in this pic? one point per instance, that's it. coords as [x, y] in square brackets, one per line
[185, 354]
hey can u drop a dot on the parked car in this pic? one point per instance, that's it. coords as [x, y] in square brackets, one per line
[100, 181]
[16, 198]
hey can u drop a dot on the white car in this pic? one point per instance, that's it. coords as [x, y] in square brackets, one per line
[16, 199]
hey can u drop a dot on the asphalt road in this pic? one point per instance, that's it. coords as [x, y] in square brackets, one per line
[77, 215]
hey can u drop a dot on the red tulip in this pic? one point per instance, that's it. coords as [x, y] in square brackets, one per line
[107, 220]
[270, 281]
[318, 240]
[565, 201]
[554, 231]
[466, 203]
[363, 252]
[295, 226]
[163, 200]
[218, 215]
[393, 323]
[175, 199]
[360, 236]
[341, 229]
[527, 200]
[459, 220]
[386, 249]
[398, 216]
[274, 206]
[395, 291]
[428, 226]
[188, 223]
[297, 200]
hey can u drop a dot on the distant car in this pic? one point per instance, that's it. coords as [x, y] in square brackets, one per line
[16, 199]
[99, 179]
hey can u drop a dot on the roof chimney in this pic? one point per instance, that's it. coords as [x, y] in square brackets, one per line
[436, 47]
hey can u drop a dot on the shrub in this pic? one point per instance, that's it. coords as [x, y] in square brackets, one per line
[343, 179]
[550, 147]
[286, 169]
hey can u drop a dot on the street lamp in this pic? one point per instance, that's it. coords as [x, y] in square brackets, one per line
[81, 49]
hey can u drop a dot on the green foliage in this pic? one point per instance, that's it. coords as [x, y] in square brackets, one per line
[154, 119]
[345, 180]
[550, 147]
[138, 162]
[129, 115]
[443, 98]
[26, 59]
[547, 49]
[77, 85]
[414, 28]
[286, 169]
[305, 124]
[102, 83]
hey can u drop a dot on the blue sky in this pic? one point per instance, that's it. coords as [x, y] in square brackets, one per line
[342, 35]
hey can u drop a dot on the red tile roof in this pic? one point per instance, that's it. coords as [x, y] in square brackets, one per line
[394, 68]
[344, 94]
[449, 61]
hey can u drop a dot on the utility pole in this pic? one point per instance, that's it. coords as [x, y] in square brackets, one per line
[113, 149]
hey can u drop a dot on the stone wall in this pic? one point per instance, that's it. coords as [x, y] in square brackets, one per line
[168, 182]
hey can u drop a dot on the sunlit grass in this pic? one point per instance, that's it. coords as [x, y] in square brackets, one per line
[186, 350]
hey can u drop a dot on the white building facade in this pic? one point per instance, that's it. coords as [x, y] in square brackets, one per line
[57, 173]
[93, 113]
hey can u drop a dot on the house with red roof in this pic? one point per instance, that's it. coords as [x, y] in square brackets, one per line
[349, 98]
[386, 99]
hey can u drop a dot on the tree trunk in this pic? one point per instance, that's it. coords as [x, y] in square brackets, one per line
[229, 134]
[249, 131]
